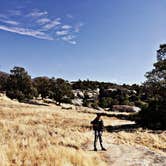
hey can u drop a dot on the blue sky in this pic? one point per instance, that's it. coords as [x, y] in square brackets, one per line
[105, 40]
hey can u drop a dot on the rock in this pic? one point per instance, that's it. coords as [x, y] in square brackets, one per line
[2, 94]
[78, 94]
[136, 109]
[100, 109]
[125, 108]
[77, 102]
[111, 90]
[89, 95]
[49, 101]
[67, 106]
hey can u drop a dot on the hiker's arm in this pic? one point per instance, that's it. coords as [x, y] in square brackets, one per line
[93, 121]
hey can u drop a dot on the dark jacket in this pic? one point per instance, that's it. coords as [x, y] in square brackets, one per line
[97, 124]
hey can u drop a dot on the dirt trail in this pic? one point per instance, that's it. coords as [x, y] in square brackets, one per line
[127, 155]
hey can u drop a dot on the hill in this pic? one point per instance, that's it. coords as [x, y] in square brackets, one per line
[43, 134]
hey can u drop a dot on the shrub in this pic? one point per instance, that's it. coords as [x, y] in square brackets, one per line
[106, 102]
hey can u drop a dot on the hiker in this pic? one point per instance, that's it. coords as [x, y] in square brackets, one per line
[98, 128]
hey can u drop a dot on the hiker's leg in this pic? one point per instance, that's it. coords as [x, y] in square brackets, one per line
[100, 138]
[101, 141]
[95, 139]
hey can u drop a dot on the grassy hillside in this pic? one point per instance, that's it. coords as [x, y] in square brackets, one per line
[49, 135]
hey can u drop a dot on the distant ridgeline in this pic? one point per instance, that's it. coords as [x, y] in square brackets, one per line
[150, 96]
[19, 85]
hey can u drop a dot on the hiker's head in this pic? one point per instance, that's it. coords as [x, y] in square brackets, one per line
[98, 115]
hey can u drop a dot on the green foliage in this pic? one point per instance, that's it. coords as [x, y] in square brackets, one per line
[85, 85]
[19, 85]
[94, 105]
[154, 116]
[42, 84]
[3, 81]
[125, 102]
[106, 102]
[85, 103]
[61, 90]
[115, 102]
[110, 97]
[133, 98]
[141, 104]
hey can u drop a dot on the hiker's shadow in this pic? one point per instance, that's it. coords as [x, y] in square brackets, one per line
[118, 128]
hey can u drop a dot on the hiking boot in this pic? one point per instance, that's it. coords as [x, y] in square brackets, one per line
[103, 149]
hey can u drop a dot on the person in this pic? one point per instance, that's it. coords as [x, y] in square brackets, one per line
[98, 127]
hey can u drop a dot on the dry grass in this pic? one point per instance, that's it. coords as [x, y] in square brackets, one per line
[32, 135]
[152, 140]
[43, 135]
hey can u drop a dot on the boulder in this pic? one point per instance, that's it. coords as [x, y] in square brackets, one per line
[78, 94]
[77, 102]
[125, 108]
[67, 106]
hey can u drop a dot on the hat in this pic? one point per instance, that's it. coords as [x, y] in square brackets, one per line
[98, 114]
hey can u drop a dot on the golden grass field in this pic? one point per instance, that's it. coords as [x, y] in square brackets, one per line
[36, 135]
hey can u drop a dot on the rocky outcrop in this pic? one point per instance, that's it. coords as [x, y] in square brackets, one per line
[80, 95]
[77, 102]
[86, 93]
[125, 108]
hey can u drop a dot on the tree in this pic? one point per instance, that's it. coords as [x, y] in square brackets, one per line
[154, 116]
[161, 53]
[85, 85]
[42, 85]
[106, 102]
[61, 90]
[19, 85]
[3, 81]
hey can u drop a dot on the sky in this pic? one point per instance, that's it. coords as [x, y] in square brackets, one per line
[104, 40]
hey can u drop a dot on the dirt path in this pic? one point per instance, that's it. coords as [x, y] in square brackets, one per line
[117, 155]
[127, 155]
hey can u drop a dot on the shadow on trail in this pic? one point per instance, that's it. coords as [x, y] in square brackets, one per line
[117, 128]
[120, 116]
[35, 103]
[126, 127]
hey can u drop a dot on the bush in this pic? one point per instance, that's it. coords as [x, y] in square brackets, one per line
[141, 104]
[94, 105]
[16, 94]
[152, 117]
[85, 103]
[106, 102]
